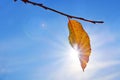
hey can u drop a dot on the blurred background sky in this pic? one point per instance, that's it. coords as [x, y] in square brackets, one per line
[34, 42]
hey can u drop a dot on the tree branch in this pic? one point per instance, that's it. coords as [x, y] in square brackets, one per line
[64, 14]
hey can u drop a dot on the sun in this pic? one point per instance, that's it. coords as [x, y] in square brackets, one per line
[72, 59]
[73, 56]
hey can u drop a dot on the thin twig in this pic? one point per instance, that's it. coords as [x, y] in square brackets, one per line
[64, 14]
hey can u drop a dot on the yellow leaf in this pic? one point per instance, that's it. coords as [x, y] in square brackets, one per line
[79, 37]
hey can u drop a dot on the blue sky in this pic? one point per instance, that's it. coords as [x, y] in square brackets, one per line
[34, 42]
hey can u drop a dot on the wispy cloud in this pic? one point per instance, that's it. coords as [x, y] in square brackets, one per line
[13, 44]
[111, 76]
[66, 69]
[59, 65]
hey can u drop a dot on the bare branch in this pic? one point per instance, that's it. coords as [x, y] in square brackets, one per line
[64, 14]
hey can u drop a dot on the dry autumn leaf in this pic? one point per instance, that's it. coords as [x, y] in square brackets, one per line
[78, 37]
